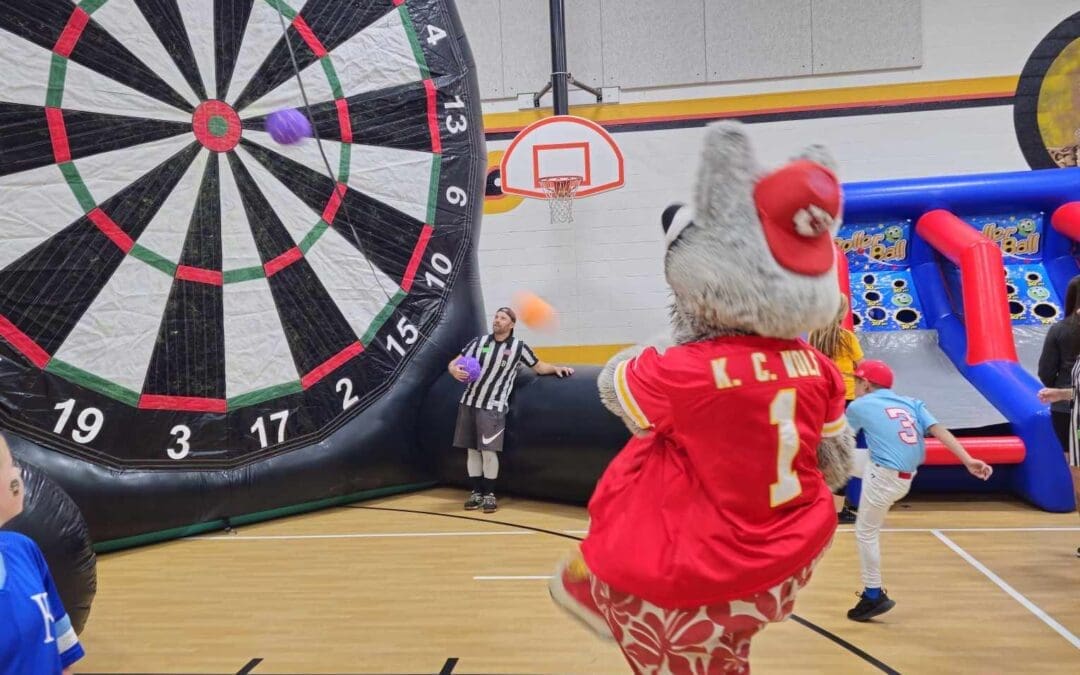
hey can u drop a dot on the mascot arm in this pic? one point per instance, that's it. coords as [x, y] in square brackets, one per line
[606, 381]
[835, 451]
[835, 457]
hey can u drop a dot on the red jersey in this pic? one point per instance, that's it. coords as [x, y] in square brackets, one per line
[723, 498]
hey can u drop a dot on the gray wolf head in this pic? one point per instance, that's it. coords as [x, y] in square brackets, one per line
[755, 252]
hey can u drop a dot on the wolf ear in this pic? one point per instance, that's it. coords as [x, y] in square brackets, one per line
[818, 154]
[727, 171]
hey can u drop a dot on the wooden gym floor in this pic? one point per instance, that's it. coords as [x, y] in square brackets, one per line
[414, 584]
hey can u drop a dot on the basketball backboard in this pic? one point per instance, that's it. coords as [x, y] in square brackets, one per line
[563, 145]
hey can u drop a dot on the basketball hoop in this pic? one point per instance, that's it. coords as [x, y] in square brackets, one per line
[560, 191]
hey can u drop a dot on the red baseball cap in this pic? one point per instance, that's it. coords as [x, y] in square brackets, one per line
[875, 372]
[797, 204]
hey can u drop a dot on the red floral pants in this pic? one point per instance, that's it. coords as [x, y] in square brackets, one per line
[699, 641]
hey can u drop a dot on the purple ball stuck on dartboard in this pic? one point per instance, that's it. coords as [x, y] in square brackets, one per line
[288, 126]
[471, 366]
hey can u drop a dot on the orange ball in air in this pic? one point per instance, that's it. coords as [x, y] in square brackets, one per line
[533, 311]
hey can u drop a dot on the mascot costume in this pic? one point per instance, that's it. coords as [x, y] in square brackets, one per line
[712, 517]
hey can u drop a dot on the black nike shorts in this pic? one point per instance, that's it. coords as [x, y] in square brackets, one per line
[479, 429]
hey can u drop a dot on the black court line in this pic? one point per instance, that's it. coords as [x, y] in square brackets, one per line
[798, 619]
[447, 669]
[249, 667]
[460, 517]
[845, 644]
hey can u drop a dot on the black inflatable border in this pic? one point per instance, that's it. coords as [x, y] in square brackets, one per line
[377, 449]
[1026, 100]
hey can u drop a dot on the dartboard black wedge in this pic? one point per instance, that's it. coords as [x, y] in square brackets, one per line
[178, 291]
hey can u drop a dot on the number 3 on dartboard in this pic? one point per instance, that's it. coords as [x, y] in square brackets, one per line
[89, 421]
[182, 432]
[259, 427]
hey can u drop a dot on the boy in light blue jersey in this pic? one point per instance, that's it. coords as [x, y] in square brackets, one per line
[895, 428]
[36, 635]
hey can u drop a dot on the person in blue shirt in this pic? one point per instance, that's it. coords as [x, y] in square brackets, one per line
[895, 428]
[35, 632]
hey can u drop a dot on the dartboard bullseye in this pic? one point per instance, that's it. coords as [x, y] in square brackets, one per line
[216, 125]
[177, 290]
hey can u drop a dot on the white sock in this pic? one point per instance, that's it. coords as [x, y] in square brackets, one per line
[491, 464]
[474, 463]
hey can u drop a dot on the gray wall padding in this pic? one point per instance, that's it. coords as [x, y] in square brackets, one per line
[646, 43]
[856, 35]
[742, 42]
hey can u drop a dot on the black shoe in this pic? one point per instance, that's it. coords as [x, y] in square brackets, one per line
[474, 501]
[490, 505]
[867, 609]
[1078, 551]
[846, 516]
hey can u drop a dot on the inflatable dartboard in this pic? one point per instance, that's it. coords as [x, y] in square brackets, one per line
[179, 291]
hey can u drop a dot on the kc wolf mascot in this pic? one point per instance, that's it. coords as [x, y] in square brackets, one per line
[706, 525]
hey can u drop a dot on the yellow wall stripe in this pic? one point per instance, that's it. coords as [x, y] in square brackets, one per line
[840, 97]
[596, 355]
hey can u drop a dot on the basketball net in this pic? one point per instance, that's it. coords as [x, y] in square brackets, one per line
[560, 191]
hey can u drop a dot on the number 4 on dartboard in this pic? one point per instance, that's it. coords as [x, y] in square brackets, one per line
[434, 35]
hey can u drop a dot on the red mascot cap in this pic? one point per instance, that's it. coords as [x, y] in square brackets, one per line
[797, 205]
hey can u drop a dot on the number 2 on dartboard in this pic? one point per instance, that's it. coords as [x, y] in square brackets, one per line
[344, 386]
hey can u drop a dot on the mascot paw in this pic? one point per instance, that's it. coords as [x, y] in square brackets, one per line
[571, 589]
[835, 455]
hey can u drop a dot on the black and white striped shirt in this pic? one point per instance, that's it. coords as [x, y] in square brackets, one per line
[498, 369]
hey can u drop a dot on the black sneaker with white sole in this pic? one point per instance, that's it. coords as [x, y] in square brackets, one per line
[867, 609]
[474, 501]
[489, 504]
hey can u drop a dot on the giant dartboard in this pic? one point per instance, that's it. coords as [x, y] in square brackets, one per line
[177, 289]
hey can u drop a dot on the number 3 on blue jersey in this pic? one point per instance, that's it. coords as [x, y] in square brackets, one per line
[908, 433]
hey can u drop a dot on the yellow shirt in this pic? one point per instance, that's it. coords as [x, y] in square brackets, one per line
[850, 353]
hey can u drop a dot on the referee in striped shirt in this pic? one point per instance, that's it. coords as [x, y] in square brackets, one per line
[481, 417]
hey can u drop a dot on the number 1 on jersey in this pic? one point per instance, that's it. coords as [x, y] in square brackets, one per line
[782, 415]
